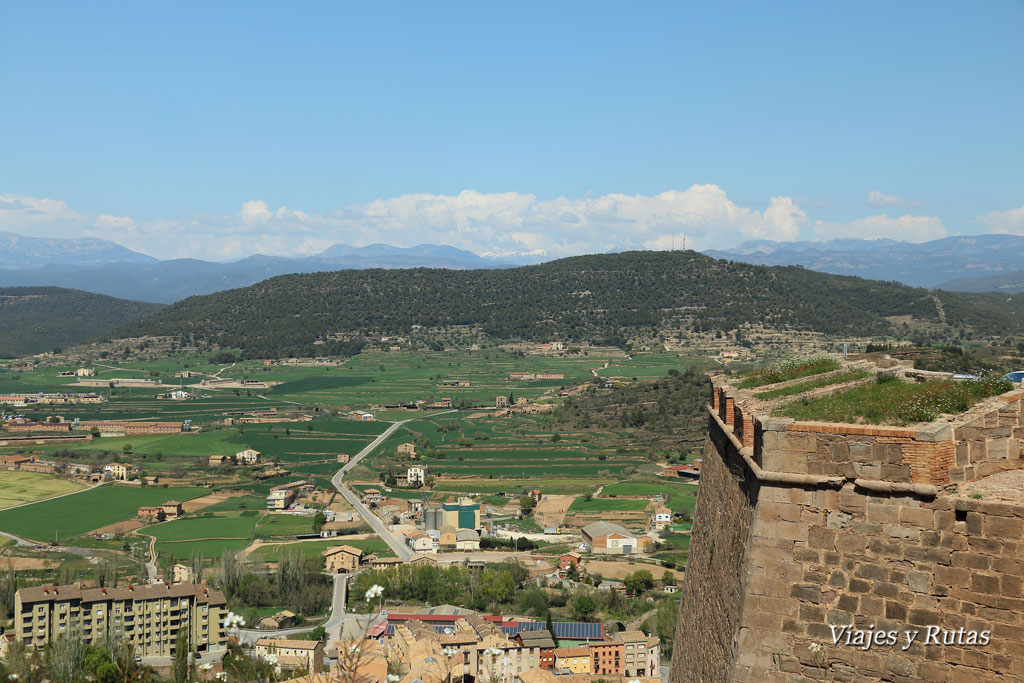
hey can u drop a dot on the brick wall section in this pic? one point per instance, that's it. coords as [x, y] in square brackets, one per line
[712, 595]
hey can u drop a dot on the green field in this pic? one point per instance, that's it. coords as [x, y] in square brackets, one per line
[25, 487]
[607, 505]
[283, 525]
[82, 512]
[209, 549]
[225, 525]
[238, 503]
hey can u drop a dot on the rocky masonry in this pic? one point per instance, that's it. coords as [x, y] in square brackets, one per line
[825, 551]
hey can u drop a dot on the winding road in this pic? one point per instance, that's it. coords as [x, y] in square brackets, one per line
[401, 550]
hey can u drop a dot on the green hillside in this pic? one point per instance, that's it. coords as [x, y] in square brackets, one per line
[604, 299]
[37, 319]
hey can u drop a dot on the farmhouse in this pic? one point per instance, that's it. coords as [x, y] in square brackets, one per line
[342, 559]
[417, 474]
[605, 538]
[120, 471]
[521, 375]
[372, 496]
[153, 513]
[218, 460]
[173, 509]
[661, 518]
[282, 619]
[247, 457]
[406, 449]
[501, 402]
[39, 466]
[343, 458]
[13, 462]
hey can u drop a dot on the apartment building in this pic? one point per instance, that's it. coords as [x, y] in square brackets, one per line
[150, 617]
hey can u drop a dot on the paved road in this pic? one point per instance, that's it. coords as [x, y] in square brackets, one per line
[333, 625]
[396, 544]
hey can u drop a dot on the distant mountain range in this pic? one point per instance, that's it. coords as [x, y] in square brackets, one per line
[19, 251]
[940, 263]
[100, 266]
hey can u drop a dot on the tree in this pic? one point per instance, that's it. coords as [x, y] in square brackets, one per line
[526, 504]
[583, 607]
[319, 521]
[180, 664]
[668, 579]
[550, 626]
[639, 581]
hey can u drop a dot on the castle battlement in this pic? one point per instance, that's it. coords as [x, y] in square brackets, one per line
[804, 527]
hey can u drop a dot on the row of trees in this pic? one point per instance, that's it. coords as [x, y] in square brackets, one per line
[299, 583]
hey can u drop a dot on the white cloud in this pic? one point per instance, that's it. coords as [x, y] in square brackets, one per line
[24, 213]
[1011, 221]
[883, 200]
[908, 228]
[255, 212]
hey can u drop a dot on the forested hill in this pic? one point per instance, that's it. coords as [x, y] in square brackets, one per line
[37, 319]
[607, 298]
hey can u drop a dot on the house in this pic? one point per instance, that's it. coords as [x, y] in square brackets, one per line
[641, 653]
[501, 402]
[343, 458]
[153, 513]
[536, 495]
[282, 619]
[521, 375]
[182, 573]
[572, 660]
[85, 372]
[364, 417]
[374, 562]
[414, 506]
[661, 518]
[172, 509]
[424, 561]
[417, 475]
[606, 538]
[568, 560]
[467, 539]
[281, 497]
[218, 460]
[670, 588]
[342, 559]
[120, 471]
[419, 541]
[247, 457]
[293, 654]
[406, 449]
[371, 496]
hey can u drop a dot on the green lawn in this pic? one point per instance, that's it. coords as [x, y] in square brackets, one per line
[81, 512]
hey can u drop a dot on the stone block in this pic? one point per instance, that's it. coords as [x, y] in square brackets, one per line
[919, 517]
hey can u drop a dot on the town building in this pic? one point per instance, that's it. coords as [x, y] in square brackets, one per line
[641, 654]
[419, 541]
[293, 654]
[572, 660]
[606, 538]
[607, 658]
[467, 539]
[149, 617]
[342, 559]
[568, 560]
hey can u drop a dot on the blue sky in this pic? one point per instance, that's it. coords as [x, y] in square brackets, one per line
[545, 128]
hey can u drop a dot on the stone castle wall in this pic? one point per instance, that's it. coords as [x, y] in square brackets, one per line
[803, 526]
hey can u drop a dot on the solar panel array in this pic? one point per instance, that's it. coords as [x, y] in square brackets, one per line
[569, 630]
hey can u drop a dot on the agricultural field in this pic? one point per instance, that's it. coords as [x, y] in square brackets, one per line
[17, 488]
[193, 528]
[210, 549]
[608, 505]
[283, 525]
[80, 513]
